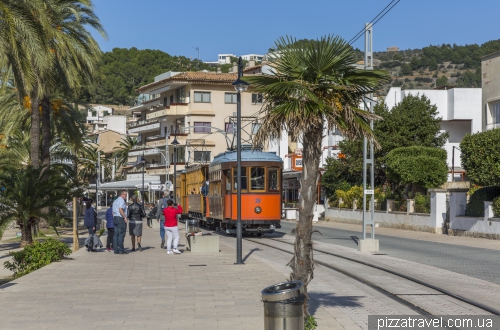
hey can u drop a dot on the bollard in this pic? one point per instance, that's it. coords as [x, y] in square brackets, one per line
[283, 306]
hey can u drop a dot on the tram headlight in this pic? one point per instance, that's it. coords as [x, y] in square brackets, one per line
[257, 209]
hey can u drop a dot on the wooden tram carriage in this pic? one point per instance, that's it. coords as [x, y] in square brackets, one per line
[260, 192]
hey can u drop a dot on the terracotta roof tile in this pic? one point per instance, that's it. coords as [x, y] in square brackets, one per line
[198, 77]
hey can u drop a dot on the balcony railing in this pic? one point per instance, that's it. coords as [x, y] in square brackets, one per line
[143, 123]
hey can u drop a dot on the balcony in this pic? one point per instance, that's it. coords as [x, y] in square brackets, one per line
[159, 140]
[173, 109]
[144, 126]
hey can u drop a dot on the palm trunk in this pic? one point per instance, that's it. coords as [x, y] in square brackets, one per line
[46, 136]
[302, 263]
[35, 131]
[26, 235]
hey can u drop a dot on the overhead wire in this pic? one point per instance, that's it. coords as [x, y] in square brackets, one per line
[373, 22]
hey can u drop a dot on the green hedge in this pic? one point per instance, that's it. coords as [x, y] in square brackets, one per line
[475, 207]
[36, 256]
[422, 166]
[496, 206]
[480, 155]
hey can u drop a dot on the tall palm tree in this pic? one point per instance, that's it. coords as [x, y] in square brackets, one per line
[75, 55]
[29, 194]
[312, 86]
[124, 147]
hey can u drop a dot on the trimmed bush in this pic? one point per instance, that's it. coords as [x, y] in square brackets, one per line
[481, 157]
[475, 207]
[423, 166]
[422, 203]
[36, 256]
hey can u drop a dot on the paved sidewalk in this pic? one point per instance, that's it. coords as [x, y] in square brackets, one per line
[147, 289]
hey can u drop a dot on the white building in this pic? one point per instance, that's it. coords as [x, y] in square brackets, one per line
[460, 110]
[253, 57]
[490, 69]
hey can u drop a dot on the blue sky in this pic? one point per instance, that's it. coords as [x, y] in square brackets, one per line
[243, 27]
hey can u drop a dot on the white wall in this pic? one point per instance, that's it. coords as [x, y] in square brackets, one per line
[116, 123]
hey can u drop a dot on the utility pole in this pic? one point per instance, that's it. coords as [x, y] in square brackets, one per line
[371, 244]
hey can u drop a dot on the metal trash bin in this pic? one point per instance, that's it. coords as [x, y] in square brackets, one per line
[283, 306]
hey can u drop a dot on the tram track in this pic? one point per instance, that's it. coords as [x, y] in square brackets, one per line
[396, 297]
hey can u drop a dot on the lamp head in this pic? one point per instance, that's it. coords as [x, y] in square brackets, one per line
[175, 143]
[240, 85]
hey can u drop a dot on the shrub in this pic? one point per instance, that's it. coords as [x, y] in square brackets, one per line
[422, 203]
[36, 256]
[481, 157]
[496, 206]
[423, 166]
[475, 207]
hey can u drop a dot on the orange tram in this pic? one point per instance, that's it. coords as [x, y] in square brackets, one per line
[208, 192]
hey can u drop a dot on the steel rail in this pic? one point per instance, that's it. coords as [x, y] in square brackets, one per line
[381, 290]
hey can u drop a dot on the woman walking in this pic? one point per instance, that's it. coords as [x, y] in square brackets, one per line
[170, 213]
[89, 218]
[135, 215]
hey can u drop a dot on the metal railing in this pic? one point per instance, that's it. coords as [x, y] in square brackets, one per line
[143, 122]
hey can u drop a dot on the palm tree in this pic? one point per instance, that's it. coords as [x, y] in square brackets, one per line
[75, 55]
[313, 85]
[121, 152]
[29, 194]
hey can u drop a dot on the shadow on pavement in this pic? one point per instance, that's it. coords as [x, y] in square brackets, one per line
[250, 253]
[329, 299]
[355, 239]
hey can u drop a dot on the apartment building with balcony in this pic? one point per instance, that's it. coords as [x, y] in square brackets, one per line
[490, 69]
[196, 108]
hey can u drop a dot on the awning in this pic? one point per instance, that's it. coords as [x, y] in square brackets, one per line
[131, 184]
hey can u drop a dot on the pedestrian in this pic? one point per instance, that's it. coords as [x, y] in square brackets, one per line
[152, 213]
[162, 203]
[170, 213]
[89, 218]
[110, 226]
[120, 221]
[135, 214]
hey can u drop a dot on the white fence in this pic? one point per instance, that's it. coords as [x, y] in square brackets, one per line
[435, 222]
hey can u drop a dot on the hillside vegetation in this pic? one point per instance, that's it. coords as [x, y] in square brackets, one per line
[124, 70]
[435, 66]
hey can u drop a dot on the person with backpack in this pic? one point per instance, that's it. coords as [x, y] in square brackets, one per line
[162, 204]
[135, 214]
[170, 213]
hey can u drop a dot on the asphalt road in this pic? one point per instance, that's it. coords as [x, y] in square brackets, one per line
[475, 262]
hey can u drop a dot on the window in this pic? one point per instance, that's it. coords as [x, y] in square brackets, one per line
[202, 127]
[257, 178]
[165, 101]
[202, 97]
[495, 112]
[181, 95]
[181, 152]
[202, 156]
[256, 98]
[231, 98]
[273, 179]
[244, 182]
[230, 128]
[228, 179]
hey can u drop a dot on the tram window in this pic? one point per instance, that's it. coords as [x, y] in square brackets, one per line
[228, 180]
[244, 182]
[273, 179]
[257, 178]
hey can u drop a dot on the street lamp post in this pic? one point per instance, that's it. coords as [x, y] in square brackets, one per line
[175, 143]
[240, 86]
[143, 161]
